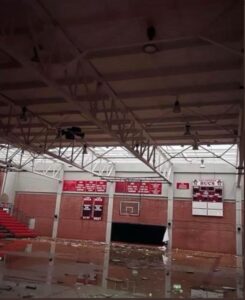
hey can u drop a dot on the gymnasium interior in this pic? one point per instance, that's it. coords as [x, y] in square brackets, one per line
[122, 149]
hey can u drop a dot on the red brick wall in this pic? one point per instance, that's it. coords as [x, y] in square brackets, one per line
[153, 211]
[215, 234]
[71, 226]
[39, 206]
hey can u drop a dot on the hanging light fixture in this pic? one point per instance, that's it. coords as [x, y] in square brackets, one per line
[137, 148]
[177, 108]
[150, 48]
[23, 115]
[35, 57]
[195, 145]
[187, 129]
[202, 164]
[85, 151]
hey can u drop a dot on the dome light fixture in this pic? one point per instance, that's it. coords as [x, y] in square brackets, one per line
[150, 48]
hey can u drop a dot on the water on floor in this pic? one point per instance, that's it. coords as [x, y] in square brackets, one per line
[65, 269]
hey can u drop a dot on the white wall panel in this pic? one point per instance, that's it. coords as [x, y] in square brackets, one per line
[213, 205]
[199, 211]
[197, 204]
[29, 182]
[215, 212]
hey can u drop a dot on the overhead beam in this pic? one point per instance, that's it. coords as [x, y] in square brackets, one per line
[170, 91]
[163, 45]
[156, 121]
[222, 46]
[120, 112]
[59, 111]
[173, 70]
[28, 142]
[160, 130]
[163, 137]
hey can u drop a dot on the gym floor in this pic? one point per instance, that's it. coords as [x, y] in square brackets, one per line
[63, 268]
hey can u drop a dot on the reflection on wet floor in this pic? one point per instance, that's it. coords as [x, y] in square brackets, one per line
[61, 268]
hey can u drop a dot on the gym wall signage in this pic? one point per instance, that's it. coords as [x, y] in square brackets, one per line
[89, 186]
[92, 208]
[207, 198]
[139, 187]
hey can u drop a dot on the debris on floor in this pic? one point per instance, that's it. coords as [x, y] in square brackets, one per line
[6, 288]
[31, 287]
[177, 288]
[93, 270]
[114, 279]
[115, 260]
[228, 288]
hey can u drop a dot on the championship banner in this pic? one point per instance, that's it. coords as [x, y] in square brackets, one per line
[87, 208]
[98, 208]
[138, 187]
[88, 186]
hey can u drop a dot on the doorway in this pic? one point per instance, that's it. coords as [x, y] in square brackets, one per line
[137, 233]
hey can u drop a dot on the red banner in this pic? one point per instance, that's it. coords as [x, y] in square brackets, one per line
[98, 208]
[87, 208]
[88, 186]
[135, 187]
[92, 208]
[183, 186]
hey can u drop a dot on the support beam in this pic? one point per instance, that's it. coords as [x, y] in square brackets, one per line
[170, 212]
[111, 189]
[57, 207]
[219, 45]
[239, 241]
[120, 111]
[239, 227]
[241, 147]
[168, 267]
[27, 141]
[124, 76]
[165, 123]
